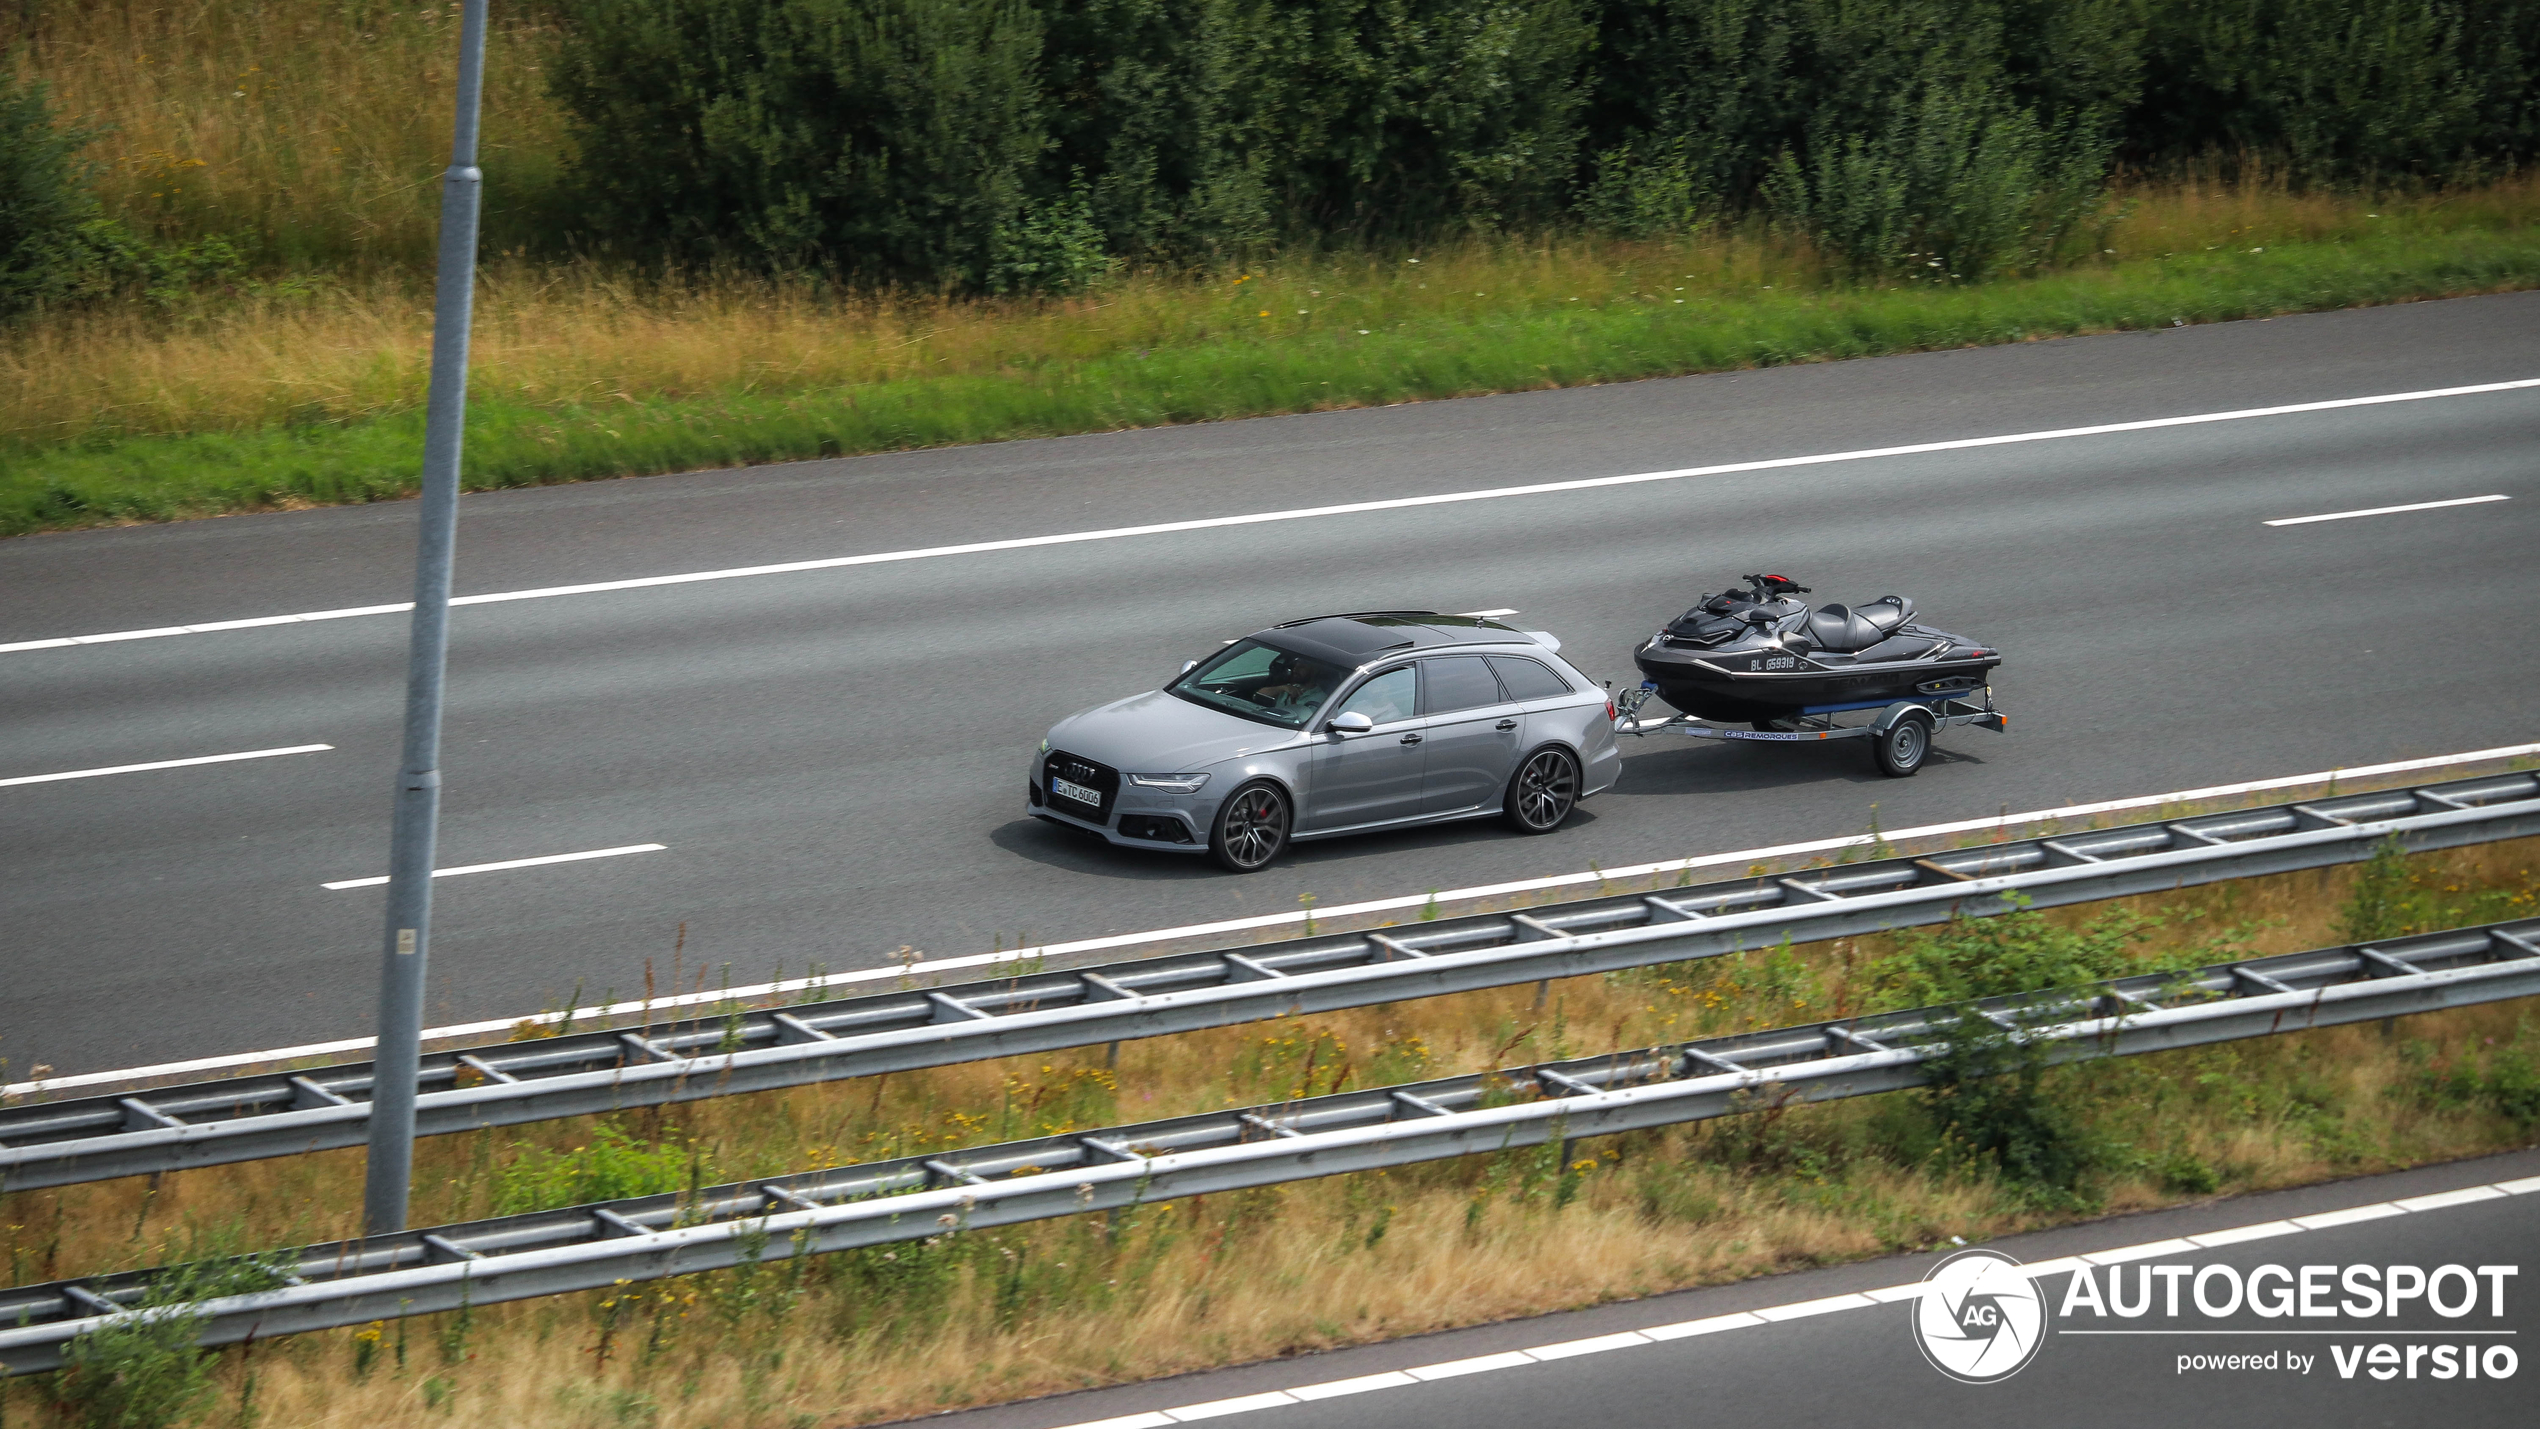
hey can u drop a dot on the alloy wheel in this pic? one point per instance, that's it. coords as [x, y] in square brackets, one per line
[1546, 788]
[1255, 826]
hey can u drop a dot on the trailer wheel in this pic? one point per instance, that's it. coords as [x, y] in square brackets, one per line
[1901, 747]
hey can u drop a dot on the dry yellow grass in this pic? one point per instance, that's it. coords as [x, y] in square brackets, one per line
[310, 130]
[576, 333]
[864, 1335]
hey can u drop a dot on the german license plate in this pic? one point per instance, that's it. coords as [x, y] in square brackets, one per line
[1062, 789]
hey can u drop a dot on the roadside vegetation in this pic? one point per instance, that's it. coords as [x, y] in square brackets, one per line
[219, 219]
[974, 1317]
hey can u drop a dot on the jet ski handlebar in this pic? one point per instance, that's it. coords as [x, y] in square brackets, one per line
[1767, 587]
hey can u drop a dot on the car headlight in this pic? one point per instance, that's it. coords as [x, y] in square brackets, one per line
[1045, 746]
[1170, 783]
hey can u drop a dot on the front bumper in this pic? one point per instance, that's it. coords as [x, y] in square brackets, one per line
[1136, 818]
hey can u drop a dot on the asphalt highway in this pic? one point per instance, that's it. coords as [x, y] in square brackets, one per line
[834, 759]
[1839, 1361]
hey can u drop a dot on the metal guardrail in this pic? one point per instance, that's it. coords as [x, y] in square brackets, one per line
[586, 1247]
[239, 1119]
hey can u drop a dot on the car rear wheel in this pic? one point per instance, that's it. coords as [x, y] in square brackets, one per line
[1543, 792]
[1251, 828]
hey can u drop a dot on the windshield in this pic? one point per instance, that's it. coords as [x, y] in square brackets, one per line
[1260, 682]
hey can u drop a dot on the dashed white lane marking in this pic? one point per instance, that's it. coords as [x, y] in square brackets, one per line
[2388, 510]
[163, 764]
[2003, 823]
[1779, 1314]
[1308, 513]
[507, 863]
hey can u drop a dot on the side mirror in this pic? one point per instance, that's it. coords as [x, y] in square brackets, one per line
[1350, 722]
[1189, 665]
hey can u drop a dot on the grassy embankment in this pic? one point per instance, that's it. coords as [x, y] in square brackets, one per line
[968, 1318]
[309, 140]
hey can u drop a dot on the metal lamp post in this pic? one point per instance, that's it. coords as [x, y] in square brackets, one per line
[392, 1113]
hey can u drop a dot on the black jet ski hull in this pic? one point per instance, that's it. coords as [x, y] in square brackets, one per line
[1748, 686]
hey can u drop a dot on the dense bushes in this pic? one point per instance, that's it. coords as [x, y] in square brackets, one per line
[984, 142]
[1015, 143]
[44, 199]
[1006, 145]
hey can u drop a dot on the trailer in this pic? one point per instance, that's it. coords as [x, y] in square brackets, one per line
[1900, 731]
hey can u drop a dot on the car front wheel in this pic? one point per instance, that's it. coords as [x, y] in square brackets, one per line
[1543, 792]
[1251, 828]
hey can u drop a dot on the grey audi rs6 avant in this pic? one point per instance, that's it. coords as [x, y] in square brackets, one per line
[1337, 725]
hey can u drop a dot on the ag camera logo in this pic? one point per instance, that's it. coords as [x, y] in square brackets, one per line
[1980, 1318]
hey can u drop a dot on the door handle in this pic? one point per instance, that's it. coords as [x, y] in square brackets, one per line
[1411, 739]
[1507, 724]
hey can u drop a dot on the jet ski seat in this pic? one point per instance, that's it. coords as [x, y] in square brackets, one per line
[1842, 630]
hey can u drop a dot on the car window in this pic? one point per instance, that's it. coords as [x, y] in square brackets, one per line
[1260, 682]
[1384, 699]
[1528, 679]
[1459, 682]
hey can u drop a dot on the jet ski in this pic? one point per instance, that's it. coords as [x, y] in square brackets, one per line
[1759, 655]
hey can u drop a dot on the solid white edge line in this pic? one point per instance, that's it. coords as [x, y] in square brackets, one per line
[1477, 1364]
[1593, 1345]
[1796, 1310]
[2442, 1199]
[1335, 1388]
[1826, 1306]
[1241, 1404]
[789, 986]
[2329, 1220]
[507, 863]
[1707, 1325]
[163, 764]
[2211, 1239]
[2387, 510]
[2177, 1245]
[1305, 513]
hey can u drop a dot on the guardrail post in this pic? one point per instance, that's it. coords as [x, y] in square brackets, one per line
[413, 836]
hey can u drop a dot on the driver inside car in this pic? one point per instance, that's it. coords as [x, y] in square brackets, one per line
[1294, 685]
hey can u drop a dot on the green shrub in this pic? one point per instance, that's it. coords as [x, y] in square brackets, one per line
[1961, 187]
[2338, 90]
[2502, 1079]
[44, 199]
[2011, 953]
[887, 139]
[147, 1372]
[2379, 905]
[1992, 1101]
[611, 1166]
[1052, 247]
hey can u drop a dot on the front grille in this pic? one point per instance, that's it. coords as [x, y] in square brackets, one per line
[1076, 769]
